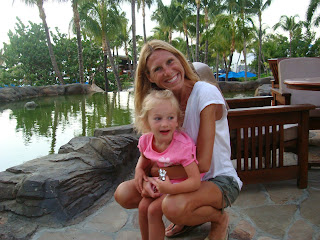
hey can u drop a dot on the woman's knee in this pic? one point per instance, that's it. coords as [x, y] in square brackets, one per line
[127, 195]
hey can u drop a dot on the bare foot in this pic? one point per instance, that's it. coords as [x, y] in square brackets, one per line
[219, 230]
[172, 229]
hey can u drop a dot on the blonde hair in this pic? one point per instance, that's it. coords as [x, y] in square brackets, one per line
[142, 83]
[152, 99]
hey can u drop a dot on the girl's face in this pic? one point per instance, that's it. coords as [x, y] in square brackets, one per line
[163, 121]
[165, 70]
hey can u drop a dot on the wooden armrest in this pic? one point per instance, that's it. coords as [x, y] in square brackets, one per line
[249, 102]
[270, 110]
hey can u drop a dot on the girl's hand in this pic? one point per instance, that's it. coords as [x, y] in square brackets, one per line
[164, 186]
[139, 178]
[149, 188]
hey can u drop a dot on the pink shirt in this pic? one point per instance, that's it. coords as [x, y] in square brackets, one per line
[181, 151]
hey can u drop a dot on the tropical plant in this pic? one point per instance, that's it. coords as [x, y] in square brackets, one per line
[290, 25]
[39, 4]
[26, 56]
[168, 17]
[313, 6]
[99, 20]
[76, 21]
[142, 4]
[258, 7]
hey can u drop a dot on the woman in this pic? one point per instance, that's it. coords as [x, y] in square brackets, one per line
[205, 121]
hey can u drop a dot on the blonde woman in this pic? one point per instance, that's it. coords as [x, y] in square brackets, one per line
[205, 121]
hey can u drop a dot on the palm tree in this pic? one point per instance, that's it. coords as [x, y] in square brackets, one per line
[313, 5]
[197, 30]
[226, 29]
[212, 8]
[134, 37]
[99, 20]
[168, 17]
[42, 15]
[124, 38]
[142, 4]
[76, 21]
[290, 25]
[258, 7]
[245, 24]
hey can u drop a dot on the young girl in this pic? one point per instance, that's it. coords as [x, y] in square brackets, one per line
[162, 142]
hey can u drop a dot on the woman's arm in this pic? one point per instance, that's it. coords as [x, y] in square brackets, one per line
[207, 130]
[192, 183]
[174, 172]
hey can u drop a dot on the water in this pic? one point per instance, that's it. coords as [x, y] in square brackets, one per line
[29, 134]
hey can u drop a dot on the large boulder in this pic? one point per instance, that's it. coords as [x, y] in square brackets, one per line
[59, 188]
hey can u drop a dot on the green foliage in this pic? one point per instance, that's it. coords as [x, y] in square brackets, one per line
[26, 57]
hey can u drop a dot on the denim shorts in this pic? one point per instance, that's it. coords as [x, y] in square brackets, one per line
[229, 188]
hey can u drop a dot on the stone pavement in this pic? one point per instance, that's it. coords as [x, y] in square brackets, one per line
[270, 211]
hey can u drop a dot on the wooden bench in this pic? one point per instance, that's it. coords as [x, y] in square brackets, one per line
[258, 138]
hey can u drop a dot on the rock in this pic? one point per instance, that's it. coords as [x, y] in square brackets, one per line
[9, 94]
[263, 90]
[30, 105]
[58, 188]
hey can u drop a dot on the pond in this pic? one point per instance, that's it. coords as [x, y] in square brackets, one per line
[29, 134]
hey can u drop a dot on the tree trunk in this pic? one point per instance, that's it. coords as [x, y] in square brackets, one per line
[113, 66]
[105, 74]
[187, 41]
[245, 59]
[260, 46]
[51, 53]
[217, 67]
[197, 30]
[77, 25]
[144, 21]
[206, 29]
[134, 40]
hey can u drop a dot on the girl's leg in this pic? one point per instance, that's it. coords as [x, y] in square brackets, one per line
[156, 225]
[203, 205]
[127, 195]
[143, 217]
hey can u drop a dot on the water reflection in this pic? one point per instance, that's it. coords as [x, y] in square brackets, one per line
[28, 134]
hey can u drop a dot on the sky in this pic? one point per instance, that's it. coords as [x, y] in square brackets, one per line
[60, 14]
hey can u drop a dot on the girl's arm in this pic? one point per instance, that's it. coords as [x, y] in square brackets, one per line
[192, 183]
[142, 167]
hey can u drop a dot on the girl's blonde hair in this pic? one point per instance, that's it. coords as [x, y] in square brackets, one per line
[152, 99]
[142, 83]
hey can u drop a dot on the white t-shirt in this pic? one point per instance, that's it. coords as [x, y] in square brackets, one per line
[204, 94]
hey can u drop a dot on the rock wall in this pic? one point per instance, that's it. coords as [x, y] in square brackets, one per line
[9, 94]
[56, 189]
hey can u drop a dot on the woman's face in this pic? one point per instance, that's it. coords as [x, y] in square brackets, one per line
[166, 71]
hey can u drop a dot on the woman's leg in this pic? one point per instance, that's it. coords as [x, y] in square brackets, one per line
[143, 217]
[127, 195]
[156, 225]
[203, 205]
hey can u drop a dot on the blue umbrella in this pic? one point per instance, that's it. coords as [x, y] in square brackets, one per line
[249, 74]
[230, 75]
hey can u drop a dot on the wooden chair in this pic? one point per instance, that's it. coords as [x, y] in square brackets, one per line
[296, 68]
[261, 133]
